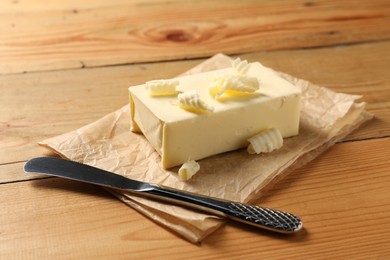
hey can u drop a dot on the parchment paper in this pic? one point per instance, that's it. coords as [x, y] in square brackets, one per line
[108, 143]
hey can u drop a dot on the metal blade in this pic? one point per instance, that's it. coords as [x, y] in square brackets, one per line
[82, 172]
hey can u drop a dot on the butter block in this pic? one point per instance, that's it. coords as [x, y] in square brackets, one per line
[179, 135]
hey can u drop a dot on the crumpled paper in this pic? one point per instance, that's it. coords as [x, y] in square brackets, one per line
[326, 117]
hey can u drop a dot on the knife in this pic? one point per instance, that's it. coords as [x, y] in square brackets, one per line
[266, 218]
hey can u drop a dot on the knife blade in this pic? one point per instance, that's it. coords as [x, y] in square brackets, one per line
[266, 218]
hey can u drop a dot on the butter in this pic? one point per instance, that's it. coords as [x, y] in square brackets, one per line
[178, 134]
[190, 100]
[162, 87]
[265, 141]
[188, 169]
[240, 66]
[233, 85]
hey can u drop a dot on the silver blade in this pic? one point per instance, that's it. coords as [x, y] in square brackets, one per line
[82, 172]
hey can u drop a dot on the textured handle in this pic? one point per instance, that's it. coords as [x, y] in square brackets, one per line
[267, 218]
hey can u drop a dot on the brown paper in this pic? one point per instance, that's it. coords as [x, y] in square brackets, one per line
[326, 117]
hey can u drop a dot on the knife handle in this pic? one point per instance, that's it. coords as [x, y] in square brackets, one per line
[266, 218]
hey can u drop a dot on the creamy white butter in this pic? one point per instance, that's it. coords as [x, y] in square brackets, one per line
[177, 134]
[191, 101]
[241, 67]
[188, 169]
[162, 87]
[233, 85]
[265, 141]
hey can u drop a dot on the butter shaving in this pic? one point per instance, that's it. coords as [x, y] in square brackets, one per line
[241, 66]
[188, 169]
[162, 87]
[190, 100]
[265, 142]
[232, 84]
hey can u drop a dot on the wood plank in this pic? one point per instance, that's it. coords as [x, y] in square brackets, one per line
[36, 106]
[13, 172]
[378, 127]
[36, 35]
[342, 197]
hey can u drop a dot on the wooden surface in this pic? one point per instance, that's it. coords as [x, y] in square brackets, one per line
[64, 64]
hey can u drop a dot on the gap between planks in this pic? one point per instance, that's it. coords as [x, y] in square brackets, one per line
[42, 37]
[198, 58]
[359, 69]
[12, 172]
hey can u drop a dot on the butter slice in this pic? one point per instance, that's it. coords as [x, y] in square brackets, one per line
[177, 134]
[162, 87]
[265, 141]
[188, 169]
[191, 101]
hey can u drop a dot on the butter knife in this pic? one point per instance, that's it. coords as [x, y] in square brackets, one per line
[266, 218]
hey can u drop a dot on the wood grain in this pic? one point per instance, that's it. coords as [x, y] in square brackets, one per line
[13, 172]
[37, 36]
[40, 105]
[85, 53]
[342, 198]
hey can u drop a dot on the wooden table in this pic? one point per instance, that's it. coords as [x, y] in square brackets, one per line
[64, 64]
